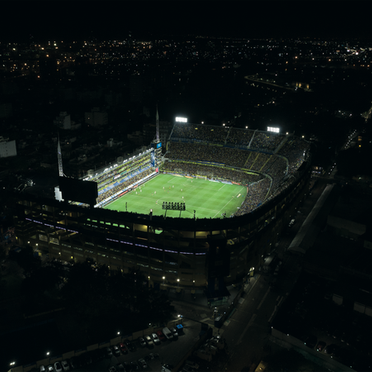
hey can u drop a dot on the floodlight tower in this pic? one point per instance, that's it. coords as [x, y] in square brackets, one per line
[57, 192]
[59, 155]
[157, 124]
[156, 145]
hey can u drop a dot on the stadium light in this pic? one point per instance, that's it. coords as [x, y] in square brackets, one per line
[273, 129]
[180, 119]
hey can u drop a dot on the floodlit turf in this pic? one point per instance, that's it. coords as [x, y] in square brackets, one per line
[207, 198]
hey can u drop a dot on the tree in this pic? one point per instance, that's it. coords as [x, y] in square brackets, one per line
[102, 301]
[26, 259]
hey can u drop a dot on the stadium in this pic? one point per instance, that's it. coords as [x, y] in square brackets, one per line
[196, 214]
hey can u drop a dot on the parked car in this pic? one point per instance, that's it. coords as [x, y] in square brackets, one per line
[149, 341]
[65, 365]
[179, 328]
[123, 348]
[50, 368]
[116, 350]
[58, 367]
[42, 368]
[142, 342]
[161, 335]
[108, 352]
[321, 345]
[155, 338]
[167, 333]
[174, 332]
[166, 368]
[142, 363]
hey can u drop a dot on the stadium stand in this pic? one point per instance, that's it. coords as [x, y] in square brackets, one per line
[113, 179]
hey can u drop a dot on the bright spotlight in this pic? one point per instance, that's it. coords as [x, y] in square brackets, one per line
[180, 119]
[273, 129]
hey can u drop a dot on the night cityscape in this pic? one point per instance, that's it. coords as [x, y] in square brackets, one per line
[185, 186]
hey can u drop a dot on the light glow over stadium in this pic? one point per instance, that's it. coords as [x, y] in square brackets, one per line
[273, 129]
[180, 119]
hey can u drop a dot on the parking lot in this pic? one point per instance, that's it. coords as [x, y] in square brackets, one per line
[166, 352]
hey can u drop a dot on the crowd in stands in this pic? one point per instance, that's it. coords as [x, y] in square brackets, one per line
[216, 154]
[296, 151]
[252, 160]
[255, 196]
[211, 172]
[124, 184]
[106, 177]
[253, 139]
[266, 141]
[240, 137]
[201, 132]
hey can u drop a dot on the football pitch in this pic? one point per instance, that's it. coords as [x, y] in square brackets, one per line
[206, 198]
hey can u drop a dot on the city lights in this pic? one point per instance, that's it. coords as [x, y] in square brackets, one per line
[159, 212]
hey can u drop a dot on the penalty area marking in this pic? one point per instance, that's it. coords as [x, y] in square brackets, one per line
[223, 207]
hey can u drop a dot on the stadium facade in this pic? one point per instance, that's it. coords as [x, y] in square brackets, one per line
[179, 253]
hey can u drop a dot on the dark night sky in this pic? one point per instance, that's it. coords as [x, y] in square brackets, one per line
[112, 19]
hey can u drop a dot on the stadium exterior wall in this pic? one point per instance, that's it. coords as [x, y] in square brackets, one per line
[172, 252]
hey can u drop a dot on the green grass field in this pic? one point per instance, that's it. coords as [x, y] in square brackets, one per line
[208, 199]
